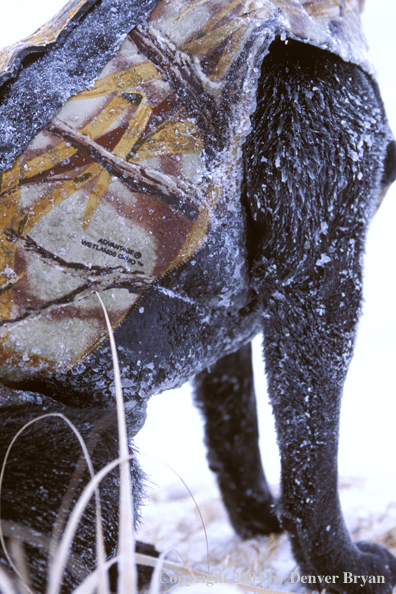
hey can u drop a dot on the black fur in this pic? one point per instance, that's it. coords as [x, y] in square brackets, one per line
[37, 479]
[318, 130]
[225, 394]
[287, 260]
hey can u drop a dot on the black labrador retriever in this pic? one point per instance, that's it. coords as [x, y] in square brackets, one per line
[286, 260]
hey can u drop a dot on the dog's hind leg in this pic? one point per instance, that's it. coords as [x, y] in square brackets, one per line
[327, 155]
[226, 396]
[43, 478]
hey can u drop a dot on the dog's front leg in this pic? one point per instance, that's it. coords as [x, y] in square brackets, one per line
[226, 396]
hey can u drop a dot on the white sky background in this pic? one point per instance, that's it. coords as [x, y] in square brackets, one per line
[368, 443]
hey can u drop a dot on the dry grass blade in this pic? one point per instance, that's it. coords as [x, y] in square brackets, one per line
[19, 555]
[6, 586]
[248, 588]
[222, 588]
[75, 482]
[100, 550]
[60, 559]
[126, 541]
[198, 577]
[99, 578]
[152, 562]
[155, 581]
[199, 512]
[29, 536]
[90, 583]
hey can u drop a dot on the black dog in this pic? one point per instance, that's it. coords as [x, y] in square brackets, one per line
[286, 261]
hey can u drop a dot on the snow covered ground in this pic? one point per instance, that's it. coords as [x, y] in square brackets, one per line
[172, 436]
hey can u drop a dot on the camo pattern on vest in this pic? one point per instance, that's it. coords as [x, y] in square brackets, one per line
[120, 186]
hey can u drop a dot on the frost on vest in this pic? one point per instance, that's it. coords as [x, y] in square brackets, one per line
[120, 186]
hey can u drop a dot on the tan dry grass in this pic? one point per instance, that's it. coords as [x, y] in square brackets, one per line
[230, 555]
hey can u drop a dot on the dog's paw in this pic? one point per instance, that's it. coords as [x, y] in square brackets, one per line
[369, 569]
[251, 518]
[380, 568]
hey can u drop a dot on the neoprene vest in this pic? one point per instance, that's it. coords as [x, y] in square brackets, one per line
[118, 186]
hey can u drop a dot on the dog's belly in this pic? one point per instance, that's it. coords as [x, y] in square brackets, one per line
[174, 338]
